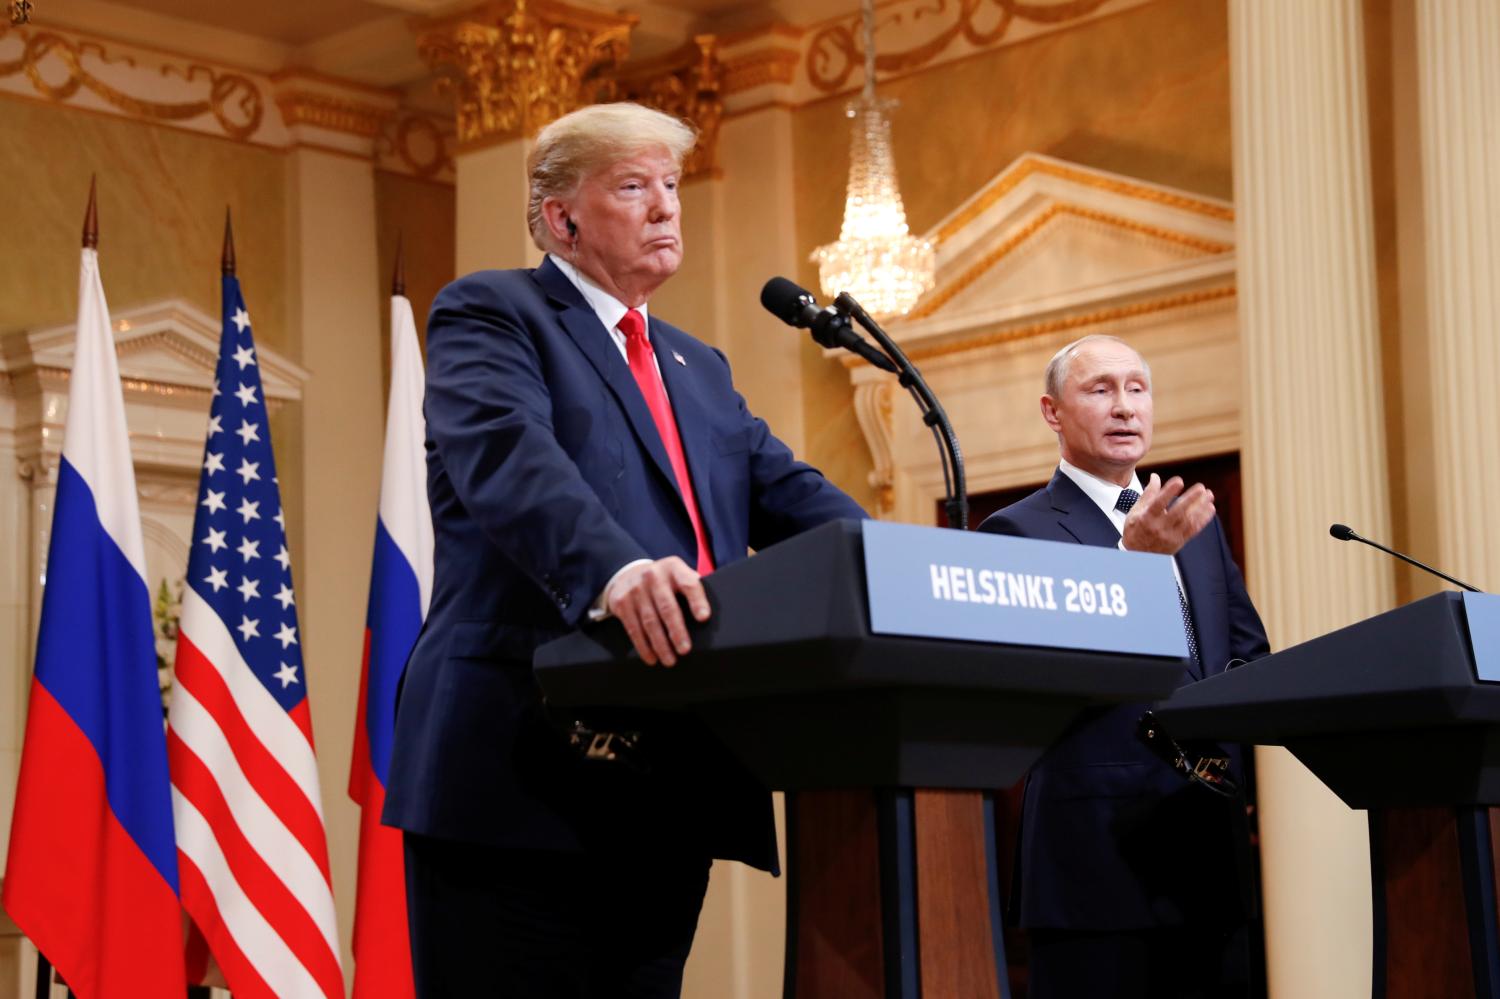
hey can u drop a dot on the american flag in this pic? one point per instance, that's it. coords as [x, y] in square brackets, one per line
[251, 846]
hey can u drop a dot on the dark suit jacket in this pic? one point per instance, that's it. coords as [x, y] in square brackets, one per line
[1111, 837]
[546, 474]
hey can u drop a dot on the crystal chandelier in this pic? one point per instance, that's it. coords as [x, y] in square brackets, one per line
[877, 259]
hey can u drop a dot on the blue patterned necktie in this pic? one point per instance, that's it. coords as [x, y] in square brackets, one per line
[1127, 500]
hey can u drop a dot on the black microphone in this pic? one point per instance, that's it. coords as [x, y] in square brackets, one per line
[1346, 534]
[795, 306]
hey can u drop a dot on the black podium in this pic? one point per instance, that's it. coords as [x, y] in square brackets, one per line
[1391, 715]
[892, 888]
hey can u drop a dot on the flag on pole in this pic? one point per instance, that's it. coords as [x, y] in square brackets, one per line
[400, 588]
[91, 876]
[249, 818]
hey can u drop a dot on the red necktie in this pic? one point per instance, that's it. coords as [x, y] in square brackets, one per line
[643, 366]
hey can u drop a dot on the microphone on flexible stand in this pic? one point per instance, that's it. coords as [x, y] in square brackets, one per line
[1344, 533]
[795, 306]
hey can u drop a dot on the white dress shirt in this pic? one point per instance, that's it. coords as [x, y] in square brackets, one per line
[1105, 495]
[610, 311]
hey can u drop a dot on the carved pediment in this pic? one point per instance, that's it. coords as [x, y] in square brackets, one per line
[164, 345]
[1047, 239]
[167, 354]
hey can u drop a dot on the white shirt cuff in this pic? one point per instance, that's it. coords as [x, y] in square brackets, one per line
[599, 609]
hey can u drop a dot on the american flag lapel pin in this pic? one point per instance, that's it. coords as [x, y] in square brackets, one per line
[679, 358]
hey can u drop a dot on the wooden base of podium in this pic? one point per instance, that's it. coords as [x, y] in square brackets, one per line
[893, 894]
[1433, 884]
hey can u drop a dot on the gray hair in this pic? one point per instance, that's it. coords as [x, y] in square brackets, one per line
[1057, 368]
[587, 140]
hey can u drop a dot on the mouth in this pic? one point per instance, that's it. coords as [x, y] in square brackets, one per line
[661, 243]
[1123, 435]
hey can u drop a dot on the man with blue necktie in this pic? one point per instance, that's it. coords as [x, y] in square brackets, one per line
[1132, 883]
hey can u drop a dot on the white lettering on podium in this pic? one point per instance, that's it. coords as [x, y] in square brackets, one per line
[940, 589]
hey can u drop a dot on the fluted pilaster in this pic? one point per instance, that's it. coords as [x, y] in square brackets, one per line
[1313, 449]
[1458, 92]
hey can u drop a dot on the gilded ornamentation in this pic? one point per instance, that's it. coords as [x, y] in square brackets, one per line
[301, 107]
[756, 69]
[20, 11]
[232, 99]
[686, 84]
[513, 66]
[943, 295]
[418, 142]
[834, 52]
[1030, 165]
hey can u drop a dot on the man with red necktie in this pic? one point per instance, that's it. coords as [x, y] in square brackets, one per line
[585, 460]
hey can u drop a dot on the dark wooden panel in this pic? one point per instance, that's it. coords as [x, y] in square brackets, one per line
[953, 901]
[1426, 939]
[834, 896]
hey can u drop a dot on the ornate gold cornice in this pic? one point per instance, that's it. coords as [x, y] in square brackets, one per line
[943, 295]
[835, 52]
[688, 84]
[306, 107]
[757, 69]
[513, 66]
[233, 99]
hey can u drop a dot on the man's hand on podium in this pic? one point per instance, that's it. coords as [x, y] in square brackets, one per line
[1157, 524]
[644, 598]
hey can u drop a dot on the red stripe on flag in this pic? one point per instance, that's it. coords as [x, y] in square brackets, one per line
[361, 770]
[77, 884]
[382, 940]
[255, 877]
[198, 900]
[261, 768]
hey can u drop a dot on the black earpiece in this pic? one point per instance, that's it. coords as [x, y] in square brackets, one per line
[572, 228]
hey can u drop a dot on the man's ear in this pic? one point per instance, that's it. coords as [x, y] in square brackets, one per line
[555, 216]
[1049, 413]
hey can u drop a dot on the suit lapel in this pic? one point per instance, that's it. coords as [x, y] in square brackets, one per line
[691, 412]
[594, 342]
[1078, 515]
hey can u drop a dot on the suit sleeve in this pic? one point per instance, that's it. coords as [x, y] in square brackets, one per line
[999, 523]
[787, 496]
[1247, 635]
[489, 417]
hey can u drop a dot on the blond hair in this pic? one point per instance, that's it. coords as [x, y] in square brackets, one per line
[577, 145]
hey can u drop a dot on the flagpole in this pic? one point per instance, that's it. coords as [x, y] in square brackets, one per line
[398, 272]
[226, 259]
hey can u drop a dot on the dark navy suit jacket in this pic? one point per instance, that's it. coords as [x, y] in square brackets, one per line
[1111, 837]
[546, 474]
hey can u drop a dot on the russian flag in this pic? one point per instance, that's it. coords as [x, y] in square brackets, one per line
[91, 876]
[400, 588]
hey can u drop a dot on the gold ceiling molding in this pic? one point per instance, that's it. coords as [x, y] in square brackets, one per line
[336, 114]
[943, 295]
[233, 99]
[1029, 165]
[1113, 314]
[757, 69]
[687, 84]
[515, 65]
[834, 52]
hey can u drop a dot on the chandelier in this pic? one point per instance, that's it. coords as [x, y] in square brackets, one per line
[877, 259]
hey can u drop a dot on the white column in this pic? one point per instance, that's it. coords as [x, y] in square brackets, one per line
[1313, 449]
[337, 300]
[490, 199]
[1458, 88]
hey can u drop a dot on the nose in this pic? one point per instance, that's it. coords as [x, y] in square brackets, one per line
[1123, 407]
[663, 202]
